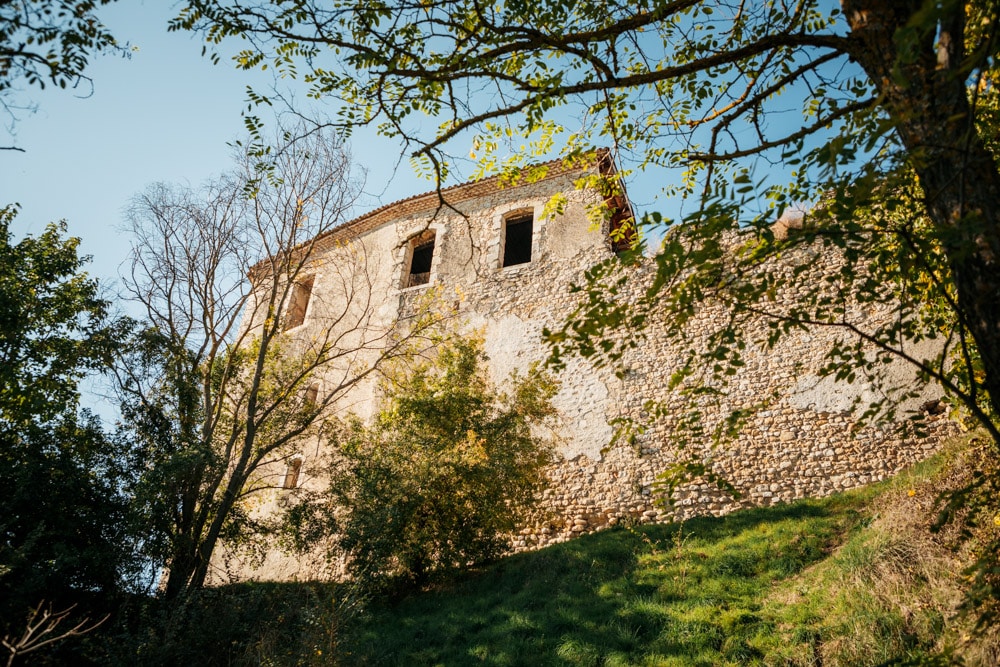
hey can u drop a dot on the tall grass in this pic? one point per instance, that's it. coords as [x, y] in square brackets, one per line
[891, 593]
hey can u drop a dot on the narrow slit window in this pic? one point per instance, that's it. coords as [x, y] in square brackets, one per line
[312, 393]
[517, 240]
[621, 231]
[421, 257]
[292, 471]
[299, 302]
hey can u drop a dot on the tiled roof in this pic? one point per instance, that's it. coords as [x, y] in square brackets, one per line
[430, 201]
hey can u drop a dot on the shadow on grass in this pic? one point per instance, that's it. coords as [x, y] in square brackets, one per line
[684, 594]
[678, 594]
[238, 624]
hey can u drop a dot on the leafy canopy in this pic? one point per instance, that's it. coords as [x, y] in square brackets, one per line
[63, 532]
[53, 324]
[447, 469]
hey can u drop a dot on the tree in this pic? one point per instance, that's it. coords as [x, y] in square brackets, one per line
[444, 473]
[48, 42]
[258, 321]
[62, 528]
[846, 97]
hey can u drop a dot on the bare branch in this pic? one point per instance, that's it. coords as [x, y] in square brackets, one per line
[41, 631]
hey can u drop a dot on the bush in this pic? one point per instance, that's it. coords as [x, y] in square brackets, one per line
[442, 475]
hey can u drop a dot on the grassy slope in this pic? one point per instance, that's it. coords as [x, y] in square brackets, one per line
[854, 579]
[684, 595]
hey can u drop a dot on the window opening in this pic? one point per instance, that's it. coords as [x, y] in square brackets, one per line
[517, 240]
[421, 257]
[622, 231]
[299, 302]
[292, 473]
[312, 393]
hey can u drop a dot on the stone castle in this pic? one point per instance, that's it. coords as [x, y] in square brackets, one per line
[512, 261]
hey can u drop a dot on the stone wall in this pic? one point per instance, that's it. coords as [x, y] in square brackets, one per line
[804, 442]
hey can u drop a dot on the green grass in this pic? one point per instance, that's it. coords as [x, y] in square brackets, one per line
[853, 579]
[691, 594]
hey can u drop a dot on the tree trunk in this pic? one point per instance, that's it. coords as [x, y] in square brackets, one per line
[919, 72]
[179, 572]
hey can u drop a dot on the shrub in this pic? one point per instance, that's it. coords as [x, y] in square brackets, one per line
[443, 473]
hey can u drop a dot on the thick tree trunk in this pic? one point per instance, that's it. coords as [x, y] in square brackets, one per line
[925, 91]
[189, 566]
[181, 566]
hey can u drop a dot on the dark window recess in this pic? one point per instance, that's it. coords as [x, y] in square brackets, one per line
[622, 229]
[292, 473]
[299, 302]
[420, 264]
[517, 241]
[312, 393]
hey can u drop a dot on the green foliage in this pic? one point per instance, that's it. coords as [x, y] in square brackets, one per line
[162, 424]
[53, 324]
[443, 475]
[875, 103]
[248, 624]
[62, 515]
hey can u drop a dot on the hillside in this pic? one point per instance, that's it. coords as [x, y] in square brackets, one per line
[852, 579]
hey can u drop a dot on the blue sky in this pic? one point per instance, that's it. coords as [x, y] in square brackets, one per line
[163, 115]
[166, 115]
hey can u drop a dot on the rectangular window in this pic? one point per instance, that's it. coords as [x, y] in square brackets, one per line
[517, 240]
[421, 257]
[299, 302]
[292, 473]
[621, 230]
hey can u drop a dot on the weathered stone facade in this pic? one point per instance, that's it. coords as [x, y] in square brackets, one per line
[802, 443]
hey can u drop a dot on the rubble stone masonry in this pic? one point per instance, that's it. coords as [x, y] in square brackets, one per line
[803, 442]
